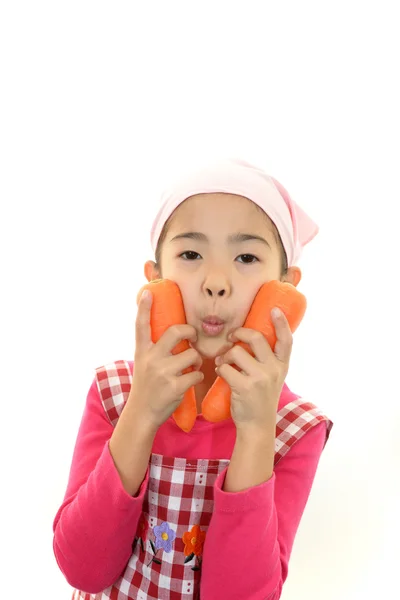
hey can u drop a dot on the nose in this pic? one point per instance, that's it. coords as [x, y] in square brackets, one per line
[217, 285]
[217, 293]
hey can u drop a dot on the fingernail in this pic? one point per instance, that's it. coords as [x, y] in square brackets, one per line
[276, 313]
[145, 294]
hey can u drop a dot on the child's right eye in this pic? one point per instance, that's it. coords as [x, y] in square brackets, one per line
[189, 252]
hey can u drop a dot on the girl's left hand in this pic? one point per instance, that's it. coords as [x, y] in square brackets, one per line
[256, 389]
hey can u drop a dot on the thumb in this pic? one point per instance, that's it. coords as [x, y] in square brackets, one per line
[143, 320]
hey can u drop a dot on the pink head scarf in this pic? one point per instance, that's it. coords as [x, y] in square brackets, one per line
[235, 176]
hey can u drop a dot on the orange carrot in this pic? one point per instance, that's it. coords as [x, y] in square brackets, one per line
[216, 404]
[166, 310]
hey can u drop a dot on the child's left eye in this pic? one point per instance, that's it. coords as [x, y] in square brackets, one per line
[251, 256]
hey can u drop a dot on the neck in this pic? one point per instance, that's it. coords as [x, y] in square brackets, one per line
[201, 389]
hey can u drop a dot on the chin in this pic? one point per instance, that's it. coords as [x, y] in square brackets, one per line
[210, 347]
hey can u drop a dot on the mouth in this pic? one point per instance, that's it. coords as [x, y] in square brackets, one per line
[213, 328]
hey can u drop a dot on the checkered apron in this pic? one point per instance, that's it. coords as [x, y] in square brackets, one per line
[167, 546]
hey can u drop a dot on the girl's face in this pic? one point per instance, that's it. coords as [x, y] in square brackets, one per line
[216, 273]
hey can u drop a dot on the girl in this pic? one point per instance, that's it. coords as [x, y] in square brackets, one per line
[151, 511]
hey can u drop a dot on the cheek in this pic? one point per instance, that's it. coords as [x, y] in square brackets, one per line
[189, 302]
[243, 310]
[248, 300]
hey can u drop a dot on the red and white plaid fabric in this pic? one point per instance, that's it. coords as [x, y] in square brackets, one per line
[178, 505]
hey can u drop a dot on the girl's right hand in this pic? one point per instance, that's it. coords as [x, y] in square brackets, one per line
[158, 386]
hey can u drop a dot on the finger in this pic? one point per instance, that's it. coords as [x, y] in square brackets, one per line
[240, 357]
[284, 341]
[256, 342]
[231, 375]
[184, 382]
[184, 360]
[175, 334]
[143, 327]
[198, 363]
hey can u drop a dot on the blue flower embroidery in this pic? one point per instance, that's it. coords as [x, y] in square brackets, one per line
[164, 536]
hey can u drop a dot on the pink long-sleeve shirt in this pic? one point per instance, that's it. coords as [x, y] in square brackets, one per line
[256, 527]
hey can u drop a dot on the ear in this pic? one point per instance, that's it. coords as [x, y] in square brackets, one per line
[150, 271]
[293, 276]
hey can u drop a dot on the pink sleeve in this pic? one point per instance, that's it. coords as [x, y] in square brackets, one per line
[96, 524]
[253, 531]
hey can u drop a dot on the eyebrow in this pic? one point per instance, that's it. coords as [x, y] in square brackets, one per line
[232, 239]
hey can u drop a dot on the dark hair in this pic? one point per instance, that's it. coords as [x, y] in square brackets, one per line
[163, 235]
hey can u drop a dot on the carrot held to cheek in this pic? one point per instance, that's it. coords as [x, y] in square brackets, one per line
[216, 405]
[167, 309]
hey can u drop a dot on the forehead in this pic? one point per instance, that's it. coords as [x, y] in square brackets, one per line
[217, 199]
[212, 207]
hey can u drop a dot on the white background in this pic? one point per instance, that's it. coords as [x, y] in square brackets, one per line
[101, 103]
